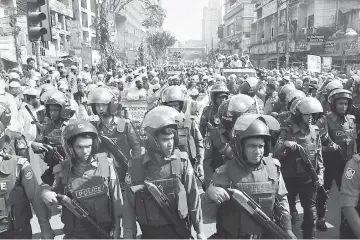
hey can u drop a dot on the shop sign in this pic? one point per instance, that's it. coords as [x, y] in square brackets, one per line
[338, 46]
[315, 39]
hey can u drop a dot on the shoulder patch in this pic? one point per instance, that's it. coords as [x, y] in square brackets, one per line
[221, 169]
[349, 173]
[128, 178]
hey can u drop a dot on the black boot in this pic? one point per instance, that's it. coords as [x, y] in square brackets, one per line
[321, 224]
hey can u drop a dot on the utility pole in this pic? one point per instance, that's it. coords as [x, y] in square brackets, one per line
[16, 31]
[277, 36]
[37, 53]
[287, 32]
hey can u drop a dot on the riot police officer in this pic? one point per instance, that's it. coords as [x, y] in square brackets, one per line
[339, 144]
[282, 105]
[249, 87]
[209, 118]
[190, 139]
[349, 199]
[170, 169]
[254, 172]
[104, 103]
[299, 130]
[335, 84]
[89, 178]
[19, 188]
[217, 145]
[59, 112]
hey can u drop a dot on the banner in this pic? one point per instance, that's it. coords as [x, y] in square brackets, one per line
[314, 63]
[136, 110]
[327, 63]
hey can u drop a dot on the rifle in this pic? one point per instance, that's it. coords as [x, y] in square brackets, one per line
[243, 202]
[81, 213]
[309, 166]
[342, 154]
[114, 149]
[34, 120]
[52, 158]
[164, 204]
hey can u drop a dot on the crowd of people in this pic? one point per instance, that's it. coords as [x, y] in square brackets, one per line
[205, 140]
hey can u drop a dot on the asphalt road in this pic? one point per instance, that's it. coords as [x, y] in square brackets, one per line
[333, 222]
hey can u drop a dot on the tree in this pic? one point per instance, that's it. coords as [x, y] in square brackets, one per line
[155, 15]
[141, 55]
[157, 43]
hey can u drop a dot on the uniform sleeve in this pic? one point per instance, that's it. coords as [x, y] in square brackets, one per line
[133, 141]
[324, 133]
[199, 142]
[129, 215]
[350, 184]
[319, 158]
[208, 171]
[193, 196]
[282, 210]
[203, 121]
[33, 191]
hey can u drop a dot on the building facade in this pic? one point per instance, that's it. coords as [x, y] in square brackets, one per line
[210, 22]
[315, 27]
[236, 27]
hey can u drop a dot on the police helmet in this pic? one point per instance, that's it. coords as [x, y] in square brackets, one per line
[58, 98]
[78, 128]
[231, 109]
[174, 94]
[286, 89]
[247, 126]
[217, 90]
[335, 84]
[337, 94]
[103, 95]
[248, 87]
[309, 105]
[157, 119]
[294, 94]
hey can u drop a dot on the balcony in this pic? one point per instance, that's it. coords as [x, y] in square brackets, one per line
[234, 9]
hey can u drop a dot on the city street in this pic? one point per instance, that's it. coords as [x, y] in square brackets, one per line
[333, 222]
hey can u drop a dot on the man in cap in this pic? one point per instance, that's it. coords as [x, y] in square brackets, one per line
[32, 101]
[72, 79]
[86, 73]
[89, 178]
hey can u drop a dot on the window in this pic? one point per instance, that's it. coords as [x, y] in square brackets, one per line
[85, 36]
[84, 19]
[61, 21]
[53, 19]
[272, 33]
[84, 4]
[310, 21]
[93, 19]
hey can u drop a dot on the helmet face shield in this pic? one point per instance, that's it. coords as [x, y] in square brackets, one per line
[309, 105]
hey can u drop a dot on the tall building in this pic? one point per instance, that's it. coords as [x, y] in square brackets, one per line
[238, 17]
[210, 23]
[129, 30]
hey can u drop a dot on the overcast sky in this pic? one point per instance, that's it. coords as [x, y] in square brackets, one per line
[184, 18]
